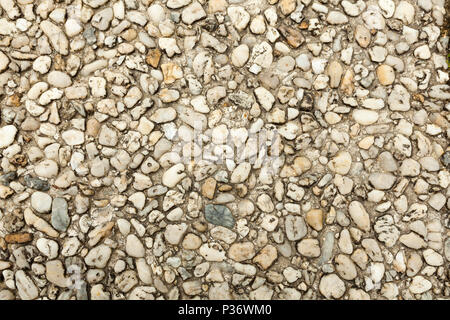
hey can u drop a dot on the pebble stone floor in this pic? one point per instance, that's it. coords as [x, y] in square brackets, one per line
[224, 149]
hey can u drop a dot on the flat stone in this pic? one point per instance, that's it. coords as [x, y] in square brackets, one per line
[73, 137]
[240, 55]
[309, 248]
[163, 115]
[59, 79]
[134, 246]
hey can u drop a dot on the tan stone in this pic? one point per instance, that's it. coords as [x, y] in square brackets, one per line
[217, 5]
[39, 223]
[314, 218]
[191, 242]
[341, 163]
[347, 83]
[5, 192]
[266, 257]
[209, 187]
[54, 272]
[287, 6]
[92, 127]
[385, 74]
[241, 251]
[301, 165]
[335, 71]
[362, 36]
[366, 142]
[18, 237]
[293, 36]
[171, 72]
[153, 57]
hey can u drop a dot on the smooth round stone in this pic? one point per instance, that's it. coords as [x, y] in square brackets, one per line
[59, 79]
[163, 115]
[365, 117]
[7, 135]
[382, 181]
[240, 55]
[335, 72]
[134, 247]
[41, 202]
[46, 169]
[331, 286]
[173, 175]
[336, 17]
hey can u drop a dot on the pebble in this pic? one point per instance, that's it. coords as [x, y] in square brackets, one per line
[59, 79]
[385, 74]
[331, 286]
[382, 181]
[365, 117]
[73, 137]
[26, 288]
[309, 248]
[336, 17]
[41, 202]
[219, 215]
[419, 285]
[295, 227]
[241, 251]
[60, 214]
[192, 13]
[405, 12]
[359, 215]
[240, 55]
[7, 135]
[341, 163]
[174, 175]
[266, 257]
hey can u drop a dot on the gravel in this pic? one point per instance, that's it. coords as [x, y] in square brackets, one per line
[222, 149]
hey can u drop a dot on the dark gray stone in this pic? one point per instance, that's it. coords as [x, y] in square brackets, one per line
[36, 183]
[446, 159]
[219, 215]
[7, 178]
